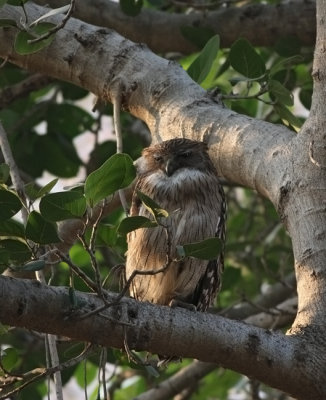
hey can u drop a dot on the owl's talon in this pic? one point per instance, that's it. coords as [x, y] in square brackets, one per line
[182, 304]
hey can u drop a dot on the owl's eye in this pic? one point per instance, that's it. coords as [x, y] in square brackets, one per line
[158, 158]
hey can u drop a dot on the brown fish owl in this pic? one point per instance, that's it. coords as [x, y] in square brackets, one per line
[179, 175]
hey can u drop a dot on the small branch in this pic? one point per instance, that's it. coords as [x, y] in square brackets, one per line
[118, 87]
[91, 285]
[23, 88]
[57, 27]
[40, 373]
[174, 385]
[14, 171]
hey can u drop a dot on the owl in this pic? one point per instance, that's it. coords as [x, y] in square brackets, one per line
[179, 176]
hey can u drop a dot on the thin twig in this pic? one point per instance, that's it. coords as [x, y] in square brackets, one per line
[117, 99]
[89, 283]
[57, 27]
[14, 171]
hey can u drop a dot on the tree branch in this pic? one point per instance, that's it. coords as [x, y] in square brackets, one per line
[261, 24]
[232, 344]
[161, 94]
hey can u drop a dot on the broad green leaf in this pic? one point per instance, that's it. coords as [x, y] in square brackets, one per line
[40, 230]
[231, 276]
[10, 204]
[202, 65]
[131, 223]
[107, 234]
[305, 96]
[35, 265]
[72, 92]
[62, 205]
[286, 63]
[288, 46]
[11, 228]
[156, 210]
[207, 249]
[116, 173]
[68, 119]
[57, 155]
[9, 358]
[287, 115]
[6, 23]
[90, 369]
[22, 45]
[199, 36]
[13, 252]
[280, 93]
[245, 59]
[4, 173]
[131, 7]
[34, 192]
[47, 188]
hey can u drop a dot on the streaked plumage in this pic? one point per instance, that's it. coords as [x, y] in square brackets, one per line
[179, 175]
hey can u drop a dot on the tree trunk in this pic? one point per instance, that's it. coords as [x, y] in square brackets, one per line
[287, 168]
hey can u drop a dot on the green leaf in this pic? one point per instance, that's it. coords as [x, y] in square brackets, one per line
[201, 66]
[197, 36]
[57, 154]
[6, 23]
[280, 93]
[40, 230]
[305, 96]
[4, 173]
[131, 7]
[62, 205]
[116, 173]
[16, 2]
[11, 228]
[245, 60]
[132, 223]
[207, 249]
[36, 265]
[72, 92]
[69, 120]
[34, 192]
[107, 234]
[156, 210]
[286, 63]
[9, 358]
[22, 45]
[286, 114]
[288, 46]
[10, 204]
[13, 252]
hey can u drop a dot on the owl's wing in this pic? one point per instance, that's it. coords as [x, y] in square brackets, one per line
[210, 283]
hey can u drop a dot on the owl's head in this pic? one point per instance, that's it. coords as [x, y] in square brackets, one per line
[173, 155]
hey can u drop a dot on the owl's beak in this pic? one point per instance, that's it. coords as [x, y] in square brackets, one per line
[170, 166]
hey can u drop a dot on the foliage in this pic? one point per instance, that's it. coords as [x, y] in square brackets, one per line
[44, 129]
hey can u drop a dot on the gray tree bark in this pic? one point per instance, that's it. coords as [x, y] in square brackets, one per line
[261, 24]
[287, 168]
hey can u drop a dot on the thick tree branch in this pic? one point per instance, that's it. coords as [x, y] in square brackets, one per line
[261, 24]
[161, 94]
[232, 344]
